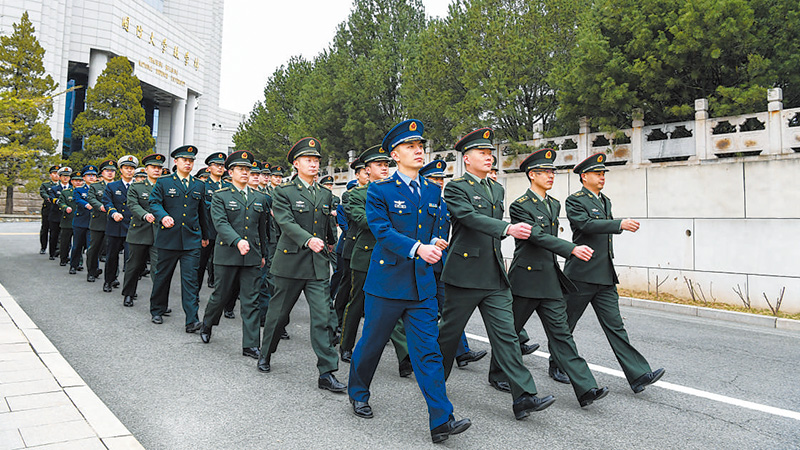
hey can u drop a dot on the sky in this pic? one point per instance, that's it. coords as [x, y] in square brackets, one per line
[260, 36]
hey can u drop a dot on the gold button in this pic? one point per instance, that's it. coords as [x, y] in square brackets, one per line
[366, 247]
[315, 221]
[184, 214]
[315, 234]
[184, 206]
[381, 261]
[465, 255]
[220, 243]
[245, 237]
[529, 267]
[420, 225]
[420, 211]
[245, 228]
[315, 209]
[285, 251]
[183, 223]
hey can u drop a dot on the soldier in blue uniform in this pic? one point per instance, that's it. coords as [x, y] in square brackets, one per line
[402, 214]
[434, 172]
[177, 203]
[115, 199]
[83, 214]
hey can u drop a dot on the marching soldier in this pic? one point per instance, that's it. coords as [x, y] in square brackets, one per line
[240, 215]
[266, 174]
[66, 202]
[302, 209]
[141, 233]
[265, 290]
[55, 214]
[401, 212]
[475, 275]
[80, 223]
[115, 199]
[275, 179]
[589, 214]
[97, 224]
[177, 203]
[215, 170]
[434, 172]
[536, 279]
[44, 188]
[376, 160]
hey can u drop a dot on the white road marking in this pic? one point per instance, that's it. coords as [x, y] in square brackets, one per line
[682, 389]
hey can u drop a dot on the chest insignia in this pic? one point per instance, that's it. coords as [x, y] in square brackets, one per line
[400, 204]
[172, 191]
[477, 197]
[595, 210]
[431, 205]
[145, 194]
[233, 203]
[299, 203]
[117, 192]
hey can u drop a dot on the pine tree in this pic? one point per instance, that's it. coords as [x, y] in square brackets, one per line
[26, 104]
[113, 123]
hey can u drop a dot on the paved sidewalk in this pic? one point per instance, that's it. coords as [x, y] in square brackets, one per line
[44, 403]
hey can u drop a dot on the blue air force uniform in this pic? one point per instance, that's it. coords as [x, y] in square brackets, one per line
[115, 199]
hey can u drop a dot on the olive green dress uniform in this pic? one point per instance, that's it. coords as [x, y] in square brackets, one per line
[301, 215]
[97, 224]
[236, 218]
[66, 200]
[141, 234]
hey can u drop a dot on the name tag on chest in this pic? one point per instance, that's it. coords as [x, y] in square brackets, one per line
[172, 191]
[400, 204]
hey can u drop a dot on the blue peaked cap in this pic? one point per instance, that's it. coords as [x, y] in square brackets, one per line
[405, 131]
[434, 168]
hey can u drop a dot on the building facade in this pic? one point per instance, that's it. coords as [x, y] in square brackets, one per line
[175, 47]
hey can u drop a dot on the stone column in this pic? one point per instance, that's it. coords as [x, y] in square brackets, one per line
[637, 136]
[164, 131]
[351, 156]
[97, 63]
[188, 128]
[775, 121]
[177, 122]
[583, 139]
[701, 137]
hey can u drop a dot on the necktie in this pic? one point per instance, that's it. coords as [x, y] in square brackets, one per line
[244, 195]
[415, 189]
[485, 183]
[186, 183]
[313, 193]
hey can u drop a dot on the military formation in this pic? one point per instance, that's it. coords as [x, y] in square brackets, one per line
[413, 257]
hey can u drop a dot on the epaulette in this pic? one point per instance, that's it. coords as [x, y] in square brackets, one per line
[364, 186]
[522, 199]
[288, 183]
[385, 180]
[222, 189]
[578, 194]
[457, 179]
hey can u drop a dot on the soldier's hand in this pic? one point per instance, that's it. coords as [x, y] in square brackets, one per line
[441, 244]
[330, 247]
[520, 230]
[333, 213]
[149, 218]
[583, 252]
[117, 217]
[629, 225]
[88, 206]
[204, 243]
[103, 209]
[429, 253]
[69, 210]
[316, 245]
[244, 247]
[263, 261]
[168, 222]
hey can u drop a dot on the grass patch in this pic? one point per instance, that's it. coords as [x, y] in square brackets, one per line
[669, 298]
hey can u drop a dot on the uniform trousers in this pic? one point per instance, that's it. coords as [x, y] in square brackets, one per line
[96, 243]
[206, 263]
[44, 231]
[605, 301]
[343, 295]
[55, 233]
[498, 318]
[264, 291]
[246, 280]
[463, 345]
[165, 268]
[79, 236]
[355, 310]
[287, 291]
[115, 244]
[419, 317]
[65, 238]
[135, 265]
[553, 314]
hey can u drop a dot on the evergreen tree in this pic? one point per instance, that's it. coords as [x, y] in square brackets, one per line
[26, 143]
[113, 122]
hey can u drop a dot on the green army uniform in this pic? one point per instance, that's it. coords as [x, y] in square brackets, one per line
[593, 225]
[237, 216]
[302, 213]
[66, 200]
[97, 224]
[537, 282]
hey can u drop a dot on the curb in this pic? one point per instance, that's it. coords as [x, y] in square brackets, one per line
[105, 424]
[711, 313]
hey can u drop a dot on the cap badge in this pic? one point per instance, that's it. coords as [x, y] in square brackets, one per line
[413, 126]
[438, 165]
[548, 155]
[244, 155]
[486, 134]
[600, 158]
[159, 157]
[311, 143]
[381, 151]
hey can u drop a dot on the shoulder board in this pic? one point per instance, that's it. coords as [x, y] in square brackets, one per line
[457, 179]
[366, 185]
[221, 189]
[554, 199]
[578, 194]
[385, 180]
[522, 199]
[288, 183]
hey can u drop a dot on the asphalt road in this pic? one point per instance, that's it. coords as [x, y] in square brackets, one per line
[173, 392]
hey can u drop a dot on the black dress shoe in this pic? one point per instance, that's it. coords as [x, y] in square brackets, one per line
[57, 253]
[362, 409]
[347, 356]
[106, 287]
[99, 272]
[263, 364]
[646, 380]
[72, 271]
[145, 273]
[556, 374]
[80, 268]
[115, 284]
[102, 259]
[41, 252]
[501, 386]
[229, 314]
[592, 395]
[167, 312]
[90, 278]
[528, 349]
[205, 334]
[329, 382]
[135, 296]
[192, 327]
[128, 301]
[211, 284]
[527, 403]
[470, 356]
[52, 258]
[252, 352]
[405, 367]
[285, 335]
[452, 426]
[62, 263]
[157, 320]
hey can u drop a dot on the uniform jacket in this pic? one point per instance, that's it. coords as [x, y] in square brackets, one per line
[535, 272]
[98, 221]
[341, 222]
[236, 220]
[301, 217]
[475, 260]
[115, 199]
[185, 205]
[54, 192]
[210, 187]
[593, 225]
[364, 239]
[349, 238]
[398, 221]
[44, 189]
[140, 231]
[274, 229]
[442, 232]
[82, 214]
[66, 200]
